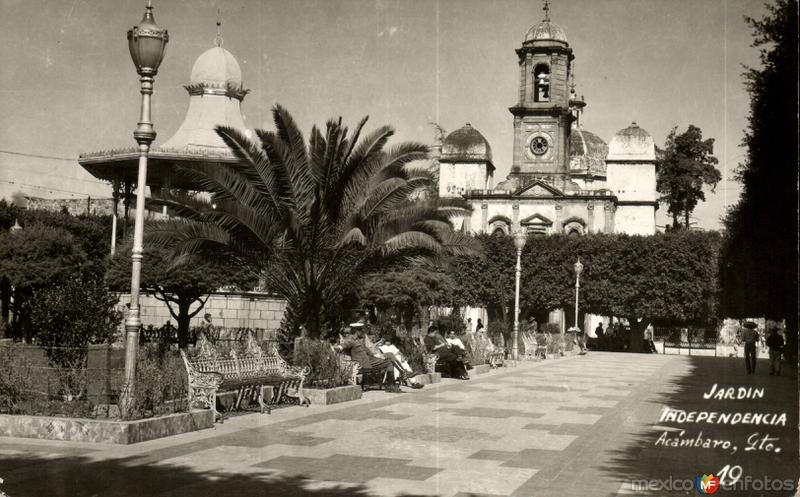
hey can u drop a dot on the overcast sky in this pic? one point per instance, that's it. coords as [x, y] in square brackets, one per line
[68, 84]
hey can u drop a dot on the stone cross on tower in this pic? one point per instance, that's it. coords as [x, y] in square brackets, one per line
[546, 9]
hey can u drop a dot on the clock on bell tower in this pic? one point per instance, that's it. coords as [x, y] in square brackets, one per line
[542, 117]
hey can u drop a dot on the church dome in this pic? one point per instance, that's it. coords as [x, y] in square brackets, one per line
[466, 144]
[546, 30]
[586, 143]
[216, 67]
[632, 144]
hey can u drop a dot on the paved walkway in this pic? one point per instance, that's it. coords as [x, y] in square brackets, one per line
[578, 426]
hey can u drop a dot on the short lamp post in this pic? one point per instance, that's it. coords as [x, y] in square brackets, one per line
[147, 43]
[520, 237]
[578, 270]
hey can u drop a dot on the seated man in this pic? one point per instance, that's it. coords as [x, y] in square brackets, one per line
[353, 345]
[435, 343]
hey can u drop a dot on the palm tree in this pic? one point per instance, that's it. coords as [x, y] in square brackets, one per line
[312, 219]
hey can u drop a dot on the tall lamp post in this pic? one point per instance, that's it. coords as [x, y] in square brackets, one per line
[520, 237]
[578, 270]
[147, 43]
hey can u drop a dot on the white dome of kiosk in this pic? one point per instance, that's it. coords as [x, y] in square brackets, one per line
[215, 96]
[218, 67]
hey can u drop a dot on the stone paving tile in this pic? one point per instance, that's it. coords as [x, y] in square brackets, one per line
[446, 434]
[584, 410]
[560, 429]
[346, 468]
[493, 455]
[489, 412]
[255, 437]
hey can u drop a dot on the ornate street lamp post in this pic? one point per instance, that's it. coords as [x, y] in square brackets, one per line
[147, 43]
[578, 269]
[520, 237]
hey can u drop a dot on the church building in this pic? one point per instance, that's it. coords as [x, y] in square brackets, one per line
[563, 179]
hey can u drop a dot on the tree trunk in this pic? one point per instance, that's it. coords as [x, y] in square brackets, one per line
[675, 224]
[637, 334]
[790, 351]
[686, 214]
[5, 301]
[407, 316]
[183, 324]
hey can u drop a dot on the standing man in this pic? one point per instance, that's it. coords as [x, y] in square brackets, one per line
[598, 332]
[750, 338]
[775, 344]
[468, 325]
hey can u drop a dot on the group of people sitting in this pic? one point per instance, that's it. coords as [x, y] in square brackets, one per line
[450, 352]
[382, 356]
[385, 357]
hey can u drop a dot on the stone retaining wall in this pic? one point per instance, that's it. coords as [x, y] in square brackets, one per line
[104, 431]
[228, 310]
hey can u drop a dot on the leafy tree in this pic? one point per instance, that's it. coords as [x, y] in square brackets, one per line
[9, 213]
[405, 291]
[91, 232]
[666, 278]
[36, 257]
[759, 272]
[178, 282]
[67, 318]
[686, 165]
[486, 279]
[312, 218]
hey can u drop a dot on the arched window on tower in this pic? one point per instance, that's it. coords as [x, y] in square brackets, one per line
[541, 83]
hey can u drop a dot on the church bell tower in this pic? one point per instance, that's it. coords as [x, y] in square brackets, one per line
[542, 116]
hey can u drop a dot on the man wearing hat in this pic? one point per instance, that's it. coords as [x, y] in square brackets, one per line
[750, 338]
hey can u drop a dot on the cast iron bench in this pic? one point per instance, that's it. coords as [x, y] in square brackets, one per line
[246, 373]
[689, 346]
[366, 377]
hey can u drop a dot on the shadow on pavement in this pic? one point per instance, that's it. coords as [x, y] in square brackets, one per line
[79, 476]
[641, 459]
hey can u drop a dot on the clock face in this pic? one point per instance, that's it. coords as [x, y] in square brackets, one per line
[539, 145]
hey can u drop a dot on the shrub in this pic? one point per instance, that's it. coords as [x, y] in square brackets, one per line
[477, 348]
[552, 328]
[498, 332]
[68, 317]
[27, 388]
[327, 370]
[412, 351]
[15, 379]
[161, 383]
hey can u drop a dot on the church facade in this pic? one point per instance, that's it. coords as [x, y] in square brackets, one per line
[563, 179]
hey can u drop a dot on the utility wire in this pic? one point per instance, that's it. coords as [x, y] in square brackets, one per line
[50, 189]
[51, 157]
[55, 174]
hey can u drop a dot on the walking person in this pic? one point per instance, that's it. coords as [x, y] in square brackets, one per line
[775, 344]
[750, 339]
